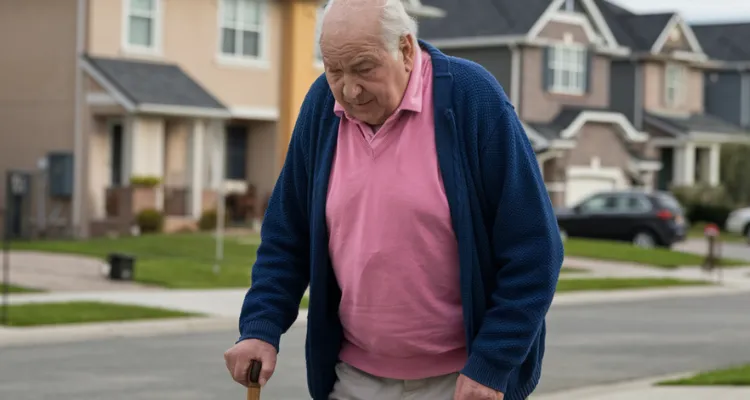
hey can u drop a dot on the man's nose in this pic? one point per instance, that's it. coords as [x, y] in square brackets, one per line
[351, 90]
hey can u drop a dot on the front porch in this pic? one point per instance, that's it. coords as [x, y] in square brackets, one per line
[155, 141]
[689, 147]
[173, 165]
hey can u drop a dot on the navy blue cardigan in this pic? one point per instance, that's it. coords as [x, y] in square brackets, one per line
[510, 249]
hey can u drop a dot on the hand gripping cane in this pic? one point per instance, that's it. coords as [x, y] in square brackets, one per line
[253, 387]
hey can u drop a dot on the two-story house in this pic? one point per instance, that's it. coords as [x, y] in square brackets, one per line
[553, 58]
[184, 91]
[611, 99]
[660, 87]
[727, 80]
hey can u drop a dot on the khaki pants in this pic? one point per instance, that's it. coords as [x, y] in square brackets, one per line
[354, 384]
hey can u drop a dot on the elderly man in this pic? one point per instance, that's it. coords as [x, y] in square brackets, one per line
[412, 203]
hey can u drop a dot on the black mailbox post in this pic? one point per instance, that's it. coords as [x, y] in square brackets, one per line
[121, 267]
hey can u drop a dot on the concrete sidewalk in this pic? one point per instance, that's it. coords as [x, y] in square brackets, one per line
[647, 390]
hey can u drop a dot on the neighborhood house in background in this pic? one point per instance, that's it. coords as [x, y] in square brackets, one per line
[611, 99]
[169, 100]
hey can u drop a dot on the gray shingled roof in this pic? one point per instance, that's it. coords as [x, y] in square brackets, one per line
[472, 18]
[637, 31]
[726, 42]
[144, 82]
[703, 123]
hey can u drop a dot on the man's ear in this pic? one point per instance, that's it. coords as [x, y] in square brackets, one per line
[408, 51]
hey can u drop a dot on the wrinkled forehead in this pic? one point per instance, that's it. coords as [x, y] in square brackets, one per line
[348, 40]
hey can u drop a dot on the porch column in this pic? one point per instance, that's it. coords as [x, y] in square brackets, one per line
[197, 138]
[714, 164]
[684, 165]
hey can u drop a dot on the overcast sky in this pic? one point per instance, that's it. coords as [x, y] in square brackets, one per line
[694, 10]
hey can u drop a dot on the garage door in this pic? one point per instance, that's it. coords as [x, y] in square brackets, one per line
[579, 188]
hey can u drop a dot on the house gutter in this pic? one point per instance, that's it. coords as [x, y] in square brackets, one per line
[78, 148]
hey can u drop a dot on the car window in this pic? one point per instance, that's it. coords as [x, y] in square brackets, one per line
[599, 204]
[632, 204]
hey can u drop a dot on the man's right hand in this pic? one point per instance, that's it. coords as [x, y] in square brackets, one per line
[238, 360]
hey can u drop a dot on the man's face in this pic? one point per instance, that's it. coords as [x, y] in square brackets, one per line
[367, 80]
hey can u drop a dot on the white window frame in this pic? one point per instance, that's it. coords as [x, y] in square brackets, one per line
[675, 82]
[559, 65]
[259, 61]
[156, 31]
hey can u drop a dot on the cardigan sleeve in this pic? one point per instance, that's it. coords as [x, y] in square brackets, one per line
[526, 248]
[281, 272]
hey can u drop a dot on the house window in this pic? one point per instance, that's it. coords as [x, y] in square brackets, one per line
[567, 69]
[674, 85]
[242, 28]
[236, 152]
[142, 23]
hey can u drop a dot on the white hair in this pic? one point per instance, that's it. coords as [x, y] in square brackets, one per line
[396, 23]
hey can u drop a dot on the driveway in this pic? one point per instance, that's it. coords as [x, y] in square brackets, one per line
[61, 272]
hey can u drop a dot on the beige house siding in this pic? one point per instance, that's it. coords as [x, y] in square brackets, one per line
[558, 30]
[602, 141]
[190, 37]
[541, 106]
[654, 89]
[37, 45]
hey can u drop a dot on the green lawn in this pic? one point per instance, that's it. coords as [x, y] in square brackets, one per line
[573, 270]
[735, 376]
[573, 285]
[37, 314]
[19, 289]
[173, 261]
[626, 252]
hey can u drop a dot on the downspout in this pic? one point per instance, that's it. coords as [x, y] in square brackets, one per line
[78, 150]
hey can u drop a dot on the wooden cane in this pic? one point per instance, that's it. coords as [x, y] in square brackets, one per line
[253, 376]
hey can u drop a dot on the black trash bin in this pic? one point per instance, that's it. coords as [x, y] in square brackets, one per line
[121, 266]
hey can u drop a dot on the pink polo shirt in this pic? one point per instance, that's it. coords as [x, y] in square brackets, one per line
[392, 244]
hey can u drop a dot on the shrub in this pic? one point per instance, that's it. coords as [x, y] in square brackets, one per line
[145, 181]
[704, 203]
[150, 221]
[208, 220]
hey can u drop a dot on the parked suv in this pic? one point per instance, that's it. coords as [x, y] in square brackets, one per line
[647, 219]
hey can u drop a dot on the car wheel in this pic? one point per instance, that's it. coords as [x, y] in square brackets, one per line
[644, 239]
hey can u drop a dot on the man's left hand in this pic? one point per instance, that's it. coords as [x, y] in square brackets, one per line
[467, 389]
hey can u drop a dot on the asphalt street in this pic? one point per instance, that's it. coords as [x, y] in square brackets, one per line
[587, 345]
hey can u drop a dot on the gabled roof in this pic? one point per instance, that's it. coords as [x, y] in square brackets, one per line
[475, 18]
[725, 42]
[637, 31]
[644, 32]
[145, 85]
